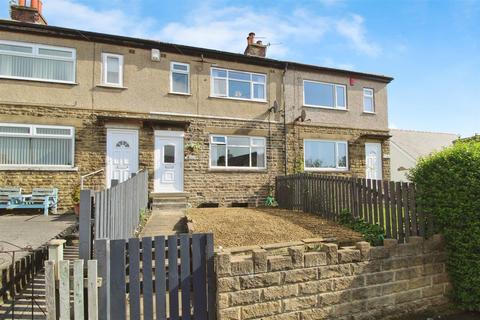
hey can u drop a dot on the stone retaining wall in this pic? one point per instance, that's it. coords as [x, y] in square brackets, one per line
[315, 280]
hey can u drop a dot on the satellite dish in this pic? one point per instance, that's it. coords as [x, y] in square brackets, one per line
[275, 108]
[303, 116]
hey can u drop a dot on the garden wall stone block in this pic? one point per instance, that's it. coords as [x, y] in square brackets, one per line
[323, 281]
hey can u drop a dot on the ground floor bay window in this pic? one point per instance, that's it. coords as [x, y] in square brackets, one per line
[36, 146]
[325, 155]
[237, 152]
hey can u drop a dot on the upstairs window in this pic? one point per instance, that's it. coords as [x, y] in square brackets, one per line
[324, 95]
[238, 85]
[237, 152]
[368, 100]
[112, 65]
[29, 61]
[179, 78]
[325, 155]
[24, 145]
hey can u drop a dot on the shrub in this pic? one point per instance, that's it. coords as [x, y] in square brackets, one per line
[448, 185]
[372, 233]
[75, 195]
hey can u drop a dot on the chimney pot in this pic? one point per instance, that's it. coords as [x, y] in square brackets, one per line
[257, 49]
[30, 12]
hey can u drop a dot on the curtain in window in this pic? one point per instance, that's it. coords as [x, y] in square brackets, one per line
[40, 68]
[35, 151]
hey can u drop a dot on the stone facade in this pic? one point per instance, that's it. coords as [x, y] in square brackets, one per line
[316, 280]
[201, 183]
[356, 139]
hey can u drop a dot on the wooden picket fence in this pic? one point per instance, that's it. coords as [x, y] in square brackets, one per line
[392, 205]
[112, 213]
[66, 287]
[164, 278]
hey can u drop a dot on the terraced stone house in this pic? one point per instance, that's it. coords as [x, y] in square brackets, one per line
[209, 126]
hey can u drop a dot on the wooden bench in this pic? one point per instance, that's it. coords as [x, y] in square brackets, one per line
[41, 198]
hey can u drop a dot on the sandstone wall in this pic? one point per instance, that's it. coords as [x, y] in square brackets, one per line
[321, 281]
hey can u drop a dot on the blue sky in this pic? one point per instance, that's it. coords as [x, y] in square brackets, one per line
[431, 48]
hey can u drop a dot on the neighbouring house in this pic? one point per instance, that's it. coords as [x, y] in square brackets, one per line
[209, 126]
[407, 146]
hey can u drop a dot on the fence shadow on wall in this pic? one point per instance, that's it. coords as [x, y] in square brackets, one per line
[392, 205]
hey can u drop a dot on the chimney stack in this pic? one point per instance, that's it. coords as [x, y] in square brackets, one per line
[256, 49]
[24, 13]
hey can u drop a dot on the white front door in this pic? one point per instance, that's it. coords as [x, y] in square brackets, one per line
[168, 161]
[122, 154]
[373, 160]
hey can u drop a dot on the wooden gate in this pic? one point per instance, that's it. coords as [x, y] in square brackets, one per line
[157, 278]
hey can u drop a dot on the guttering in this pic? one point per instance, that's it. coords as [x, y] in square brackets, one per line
[207, 117]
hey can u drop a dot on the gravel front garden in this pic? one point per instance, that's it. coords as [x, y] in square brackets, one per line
[234, 227]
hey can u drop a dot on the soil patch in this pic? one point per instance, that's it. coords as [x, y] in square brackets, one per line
[233, 227]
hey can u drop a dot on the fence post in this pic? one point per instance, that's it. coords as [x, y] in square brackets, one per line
[85, 225]
[102, 254]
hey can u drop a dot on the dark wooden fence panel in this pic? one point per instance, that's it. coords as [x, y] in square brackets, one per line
[175, 273]
[392, 205]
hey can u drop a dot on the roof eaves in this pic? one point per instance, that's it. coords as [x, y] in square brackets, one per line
[61, 32]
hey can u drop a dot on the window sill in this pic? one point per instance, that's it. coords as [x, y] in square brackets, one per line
[238, 170]
[325, 108]
[109, 86]
[39, 80]
[20, 168]
[240, 99]
[370, 113]
[180, 94]
[325, 170]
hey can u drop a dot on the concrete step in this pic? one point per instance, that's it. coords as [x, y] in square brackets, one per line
[169, 205]
[175, 200]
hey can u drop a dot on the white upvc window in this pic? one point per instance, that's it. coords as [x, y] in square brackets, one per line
[179, 78]
[237, 152]
[238, 85]
[112, 69]
[325, 155]
[324, 95]
[36, 146]
[38, 62]
[368, 100]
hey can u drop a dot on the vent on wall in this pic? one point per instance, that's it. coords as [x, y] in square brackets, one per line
[155, 55]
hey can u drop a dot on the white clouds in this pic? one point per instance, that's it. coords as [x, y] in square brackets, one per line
[227, 29]
[353, 29]
[68, 13]
[223, 28]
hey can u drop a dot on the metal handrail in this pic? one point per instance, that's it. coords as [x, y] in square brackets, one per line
[82, 178]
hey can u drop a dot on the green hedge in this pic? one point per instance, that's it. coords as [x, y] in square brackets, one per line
[448, 185]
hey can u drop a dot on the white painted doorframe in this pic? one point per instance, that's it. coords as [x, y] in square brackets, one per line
[169, 158]
[121, 154]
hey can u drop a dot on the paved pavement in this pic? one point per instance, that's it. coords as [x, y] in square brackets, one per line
[165, 222]
[29, 230]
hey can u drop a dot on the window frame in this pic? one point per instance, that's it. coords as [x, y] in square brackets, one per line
[251, 145]
[33, 134]
[337, 168]
[172, 63]
[251, 81]
[105, 56]
[369, 96]
[335, 98]
[35, 54]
